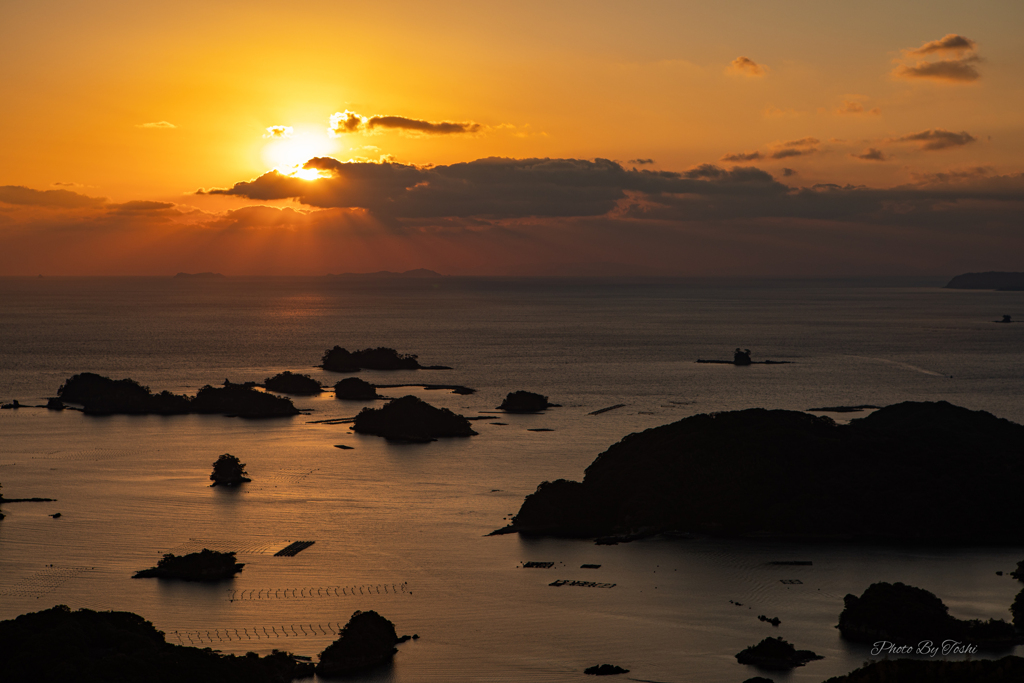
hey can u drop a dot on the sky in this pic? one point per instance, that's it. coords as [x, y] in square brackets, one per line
[784, 139]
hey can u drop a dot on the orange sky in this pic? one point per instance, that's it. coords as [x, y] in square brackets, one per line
[686, 138]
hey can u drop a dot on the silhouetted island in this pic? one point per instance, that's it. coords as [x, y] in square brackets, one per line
[228, 471]
[605, 670]
[775, 653]
[525, 402]
[1001, 281]
[1005, 670]
[380, 358]
[904, 615]
[926, 472]
[57, 645]
[367, 640]
[410, 419]
[742, 357]
[355, 389]
[207, 565]
[290, 383]
[100, 395]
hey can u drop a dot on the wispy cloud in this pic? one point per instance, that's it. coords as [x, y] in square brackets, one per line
[156, 124]
[641, 162]
[743, 156]
[745, 66]
[279, 132]
[937, 139]
[958, 56]
[871, 154]
[855, 107]
[351, 122]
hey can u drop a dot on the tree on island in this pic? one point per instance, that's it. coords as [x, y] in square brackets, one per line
[228, 471]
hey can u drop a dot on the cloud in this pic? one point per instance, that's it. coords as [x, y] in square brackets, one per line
[951, 42]
[855, 107]
[493, 187]
[279, 132]
[802, 142]
[707, 220]
[953, 176]
[790, 153]
[641, 162]
[743, 156]
[937, 139]
[787, 172]
[156, 124]
[957, 66]
[351, 122]
[870, 154]
[948, 70]
[747, 67]
[23, 196]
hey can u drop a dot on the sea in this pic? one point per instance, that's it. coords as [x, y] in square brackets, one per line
[402, 529]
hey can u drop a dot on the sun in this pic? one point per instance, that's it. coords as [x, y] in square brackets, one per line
[287, 150]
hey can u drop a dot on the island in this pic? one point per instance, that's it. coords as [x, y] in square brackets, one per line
[927, 472]
[367, 640]
[228, 471]
[380, 358]
[99, 395]
[525, 402]
[288, 383]
[355, 389]
[207, 565]
[775, 653]
[605, 670]
[412, 420]
[742, 357]
[999, 281]
[84, 646]
[902, 614]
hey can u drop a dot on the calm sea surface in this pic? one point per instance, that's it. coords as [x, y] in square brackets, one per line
[401, 528]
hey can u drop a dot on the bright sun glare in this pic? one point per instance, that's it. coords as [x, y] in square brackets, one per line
[288, 154]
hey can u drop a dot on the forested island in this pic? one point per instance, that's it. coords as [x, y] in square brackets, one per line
[99, 395]
[927, 472]
[339, 359]
[412, 420]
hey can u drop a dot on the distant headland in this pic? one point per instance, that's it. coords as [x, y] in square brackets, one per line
[418, 273]
[198, 276]
[999, 281]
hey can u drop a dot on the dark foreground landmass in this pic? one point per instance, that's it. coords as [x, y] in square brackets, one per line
[928, 472]
[208, 565]
[100, 395]
[990, 280]
[58, 646]
[904, 614]
[410, 419]
[1005, 670]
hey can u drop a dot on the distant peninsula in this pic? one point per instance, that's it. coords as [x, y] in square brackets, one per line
[418, 273]
[999, 281]
[921, 472]
[199, 276]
